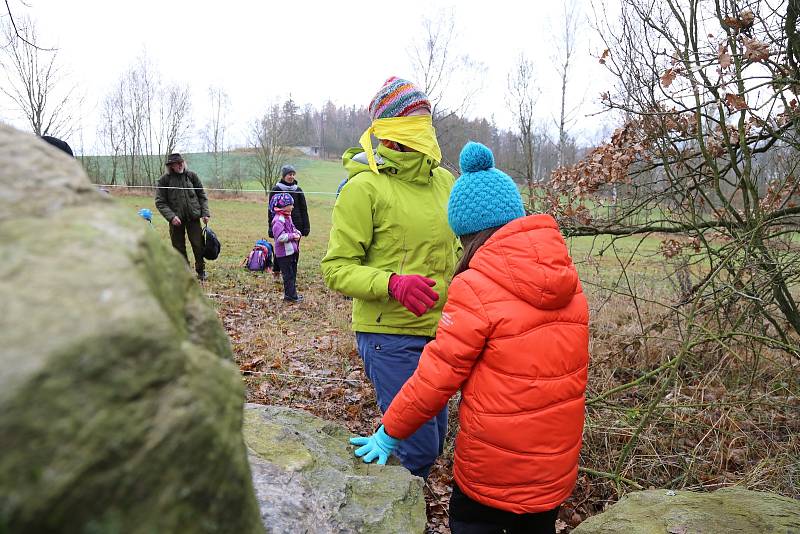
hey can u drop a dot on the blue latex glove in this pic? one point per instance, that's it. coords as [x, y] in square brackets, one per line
[379, 445]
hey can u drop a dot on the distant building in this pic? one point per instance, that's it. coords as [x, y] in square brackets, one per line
[312, 151]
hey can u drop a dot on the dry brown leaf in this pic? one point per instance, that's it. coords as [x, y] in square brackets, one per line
[747, 18]
[724, 56]
[755, 50]
[251, 365]
[603, 56]
[734, 101]
[742, 22]
[668, 77]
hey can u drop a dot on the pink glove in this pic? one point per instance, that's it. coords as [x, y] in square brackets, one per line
[414, 292]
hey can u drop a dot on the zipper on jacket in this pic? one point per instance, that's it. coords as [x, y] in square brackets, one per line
[405, 256]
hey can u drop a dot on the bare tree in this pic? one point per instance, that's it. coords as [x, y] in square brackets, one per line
[450, 80]
[215, 129]
[565, 41]
[133, 108]
[144, 120]
[267, 137]
[706, 166]
[111, 132]
[522, 94]
[36, 85]
[173, 119]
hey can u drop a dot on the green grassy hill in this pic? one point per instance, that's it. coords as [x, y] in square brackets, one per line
[314, 175]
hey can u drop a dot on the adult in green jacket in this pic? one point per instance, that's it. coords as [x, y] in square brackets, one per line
[182, 201]
[392, 250]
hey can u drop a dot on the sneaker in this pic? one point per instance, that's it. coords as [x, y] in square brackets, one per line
[202, 276]
[298, 298]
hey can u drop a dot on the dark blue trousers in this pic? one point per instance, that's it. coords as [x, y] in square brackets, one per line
[390, 360]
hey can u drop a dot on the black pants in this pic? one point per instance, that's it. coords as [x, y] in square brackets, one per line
[277, 268]
[177, 234]
[471, 517]
[288, 269]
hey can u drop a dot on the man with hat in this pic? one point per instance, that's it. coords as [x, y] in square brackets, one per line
[181, 199]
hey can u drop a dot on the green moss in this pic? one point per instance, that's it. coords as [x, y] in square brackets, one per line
[274, 444]
[728, 510]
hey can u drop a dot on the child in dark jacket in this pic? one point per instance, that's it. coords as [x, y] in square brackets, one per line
[287, 243]
[514, 338]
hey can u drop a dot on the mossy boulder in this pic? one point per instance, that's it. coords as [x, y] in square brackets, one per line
[120, 407]
[307, 479]
[725, 511]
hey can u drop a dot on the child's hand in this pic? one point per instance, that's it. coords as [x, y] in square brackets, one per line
[375, 447]
[296, 236]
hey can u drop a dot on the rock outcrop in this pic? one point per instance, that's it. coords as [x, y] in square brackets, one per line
[725, 511]
[307, 479]
[120, 408]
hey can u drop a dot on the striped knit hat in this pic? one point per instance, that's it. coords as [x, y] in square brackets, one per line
[398, 98]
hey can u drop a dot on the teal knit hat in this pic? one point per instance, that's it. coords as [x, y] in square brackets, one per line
[482, 197]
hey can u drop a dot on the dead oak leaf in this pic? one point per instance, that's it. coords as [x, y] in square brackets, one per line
[747, 17]
[251, 365]
[668, 77]
[724, 56]
[742, 22]
[755, 50]
[734, 101]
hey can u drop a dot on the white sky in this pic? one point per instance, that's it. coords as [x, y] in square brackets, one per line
[259, 52]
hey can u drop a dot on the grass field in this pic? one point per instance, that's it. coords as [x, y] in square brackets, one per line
[315, 175]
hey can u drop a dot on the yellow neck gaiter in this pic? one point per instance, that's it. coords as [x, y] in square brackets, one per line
[416, 132]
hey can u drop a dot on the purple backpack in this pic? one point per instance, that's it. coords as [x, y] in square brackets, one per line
[260, 258]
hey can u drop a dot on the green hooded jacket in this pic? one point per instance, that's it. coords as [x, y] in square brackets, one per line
[182, 195]
[391, 222]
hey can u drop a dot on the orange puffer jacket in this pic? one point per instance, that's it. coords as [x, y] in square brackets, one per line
[514, 337]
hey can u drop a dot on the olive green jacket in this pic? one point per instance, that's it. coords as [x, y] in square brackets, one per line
[182, 195]
[391, 222]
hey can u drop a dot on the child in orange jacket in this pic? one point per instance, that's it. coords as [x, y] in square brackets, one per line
[514, 338]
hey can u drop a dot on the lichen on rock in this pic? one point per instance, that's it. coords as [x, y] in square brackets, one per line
[307, 479]
[725, 511]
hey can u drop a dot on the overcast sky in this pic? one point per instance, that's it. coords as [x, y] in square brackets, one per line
[260, 52]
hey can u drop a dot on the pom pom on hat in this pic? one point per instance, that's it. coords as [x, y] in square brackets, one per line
[483, 196]
[475, 157]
